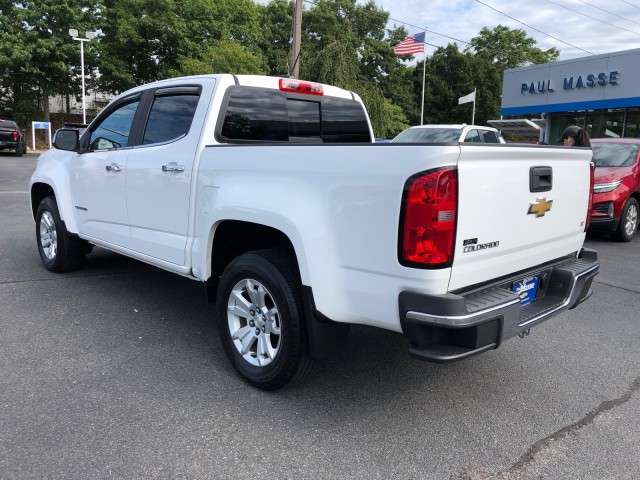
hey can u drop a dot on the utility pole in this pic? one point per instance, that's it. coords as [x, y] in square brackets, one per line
[294, 69]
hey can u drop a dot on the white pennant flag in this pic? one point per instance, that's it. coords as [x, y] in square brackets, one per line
[467, 98]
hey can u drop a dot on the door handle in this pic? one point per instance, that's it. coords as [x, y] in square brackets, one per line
[172, 167]
[540, 179]
[114, 167]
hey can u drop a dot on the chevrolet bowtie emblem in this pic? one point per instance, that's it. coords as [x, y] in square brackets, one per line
[540, 207]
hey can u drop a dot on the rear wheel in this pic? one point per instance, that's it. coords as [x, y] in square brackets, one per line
[19, 149]
[261, 319]
[628, 221]
[59, 252]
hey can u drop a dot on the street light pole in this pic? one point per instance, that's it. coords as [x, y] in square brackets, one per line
[88, 37]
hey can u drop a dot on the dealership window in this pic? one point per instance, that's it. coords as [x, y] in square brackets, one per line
[605, 123]
[561, 121]
[614, 122]
[632, 126]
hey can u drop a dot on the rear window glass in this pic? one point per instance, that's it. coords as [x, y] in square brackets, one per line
[304, 119]
[260, 115]
[614, 154]
[8, 124]
[344, 121]
[256, 117]
[429, 135]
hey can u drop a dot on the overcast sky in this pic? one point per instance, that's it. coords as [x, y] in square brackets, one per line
[588, 27]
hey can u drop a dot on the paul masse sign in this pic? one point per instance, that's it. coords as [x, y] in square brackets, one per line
[588, 83]
[590, 80]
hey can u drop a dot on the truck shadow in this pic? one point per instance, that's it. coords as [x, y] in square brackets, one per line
[179, 344]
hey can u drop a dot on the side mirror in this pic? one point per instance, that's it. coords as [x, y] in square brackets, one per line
[67, 139]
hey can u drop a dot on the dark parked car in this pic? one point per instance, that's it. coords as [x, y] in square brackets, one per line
[616, 193]
[12, 137]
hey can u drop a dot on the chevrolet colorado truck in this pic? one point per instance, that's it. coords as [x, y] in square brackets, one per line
[271, 192]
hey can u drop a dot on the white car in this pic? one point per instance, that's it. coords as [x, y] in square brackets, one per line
[449, 134]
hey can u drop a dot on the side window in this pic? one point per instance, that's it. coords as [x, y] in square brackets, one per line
[344, 121]
[114, 130]
[489, 136]
[472, 137]
[256, 115]
[170, 118]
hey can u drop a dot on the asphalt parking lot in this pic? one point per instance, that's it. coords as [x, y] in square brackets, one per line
[116, 371]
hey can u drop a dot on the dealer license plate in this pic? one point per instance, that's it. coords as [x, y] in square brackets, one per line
[527, 289]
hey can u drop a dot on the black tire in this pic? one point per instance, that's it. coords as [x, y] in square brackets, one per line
[19, 149]
[24, 148]
[283, 330]
[59, 252]
[628, 226]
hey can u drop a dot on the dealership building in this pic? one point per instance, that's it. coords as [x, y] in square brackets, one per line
[600, 93]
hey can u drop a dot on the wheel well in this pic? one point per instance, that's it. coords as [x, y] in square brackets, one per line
[38, 192]
[233, 238]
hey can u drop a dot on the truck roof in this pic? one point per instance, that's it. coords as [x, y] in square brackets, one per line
[262, 81]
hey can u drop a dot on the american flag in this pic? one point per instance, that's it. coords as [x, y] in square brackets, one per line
[411, 45]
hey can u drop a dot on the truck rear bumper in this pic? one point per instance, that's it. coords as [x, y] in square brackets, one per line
[447, 328]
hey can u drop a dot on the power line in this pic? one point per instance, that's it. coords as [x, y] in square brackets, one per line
[594, 18]
[634, 6]
[610, 13]
[422, 29]
[533, 28]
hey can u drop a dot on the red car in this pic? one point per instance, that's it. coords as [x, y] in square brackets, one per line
[616, 193]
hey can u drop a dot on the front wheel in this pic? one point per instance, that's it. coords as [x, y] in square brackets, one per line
[628, 221]
[59, 252]
[261, 319]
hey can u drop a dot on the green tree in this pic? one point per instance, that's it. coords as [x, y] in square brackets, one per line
[276, 22]
[139, 43]
[36, 53]
[225, 57]
[343, 45]
[509, 48]
[156, 41]
[452, 74]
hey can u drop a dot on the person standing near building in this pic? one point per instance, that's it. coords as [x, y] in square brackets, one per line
[574, 136]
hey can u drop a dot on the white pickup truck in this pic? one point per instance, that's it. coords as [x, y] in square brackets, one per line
[271, 192]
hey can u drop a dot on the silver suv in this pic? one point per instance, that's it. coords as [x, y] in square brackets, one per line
[449, 134]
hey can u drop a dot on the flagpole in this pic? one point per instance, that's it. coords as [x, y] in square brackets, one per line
[424, 75]
[473, 115]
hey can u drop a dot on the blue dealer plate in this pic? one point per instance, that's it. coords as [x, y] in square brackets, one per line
[527, 289]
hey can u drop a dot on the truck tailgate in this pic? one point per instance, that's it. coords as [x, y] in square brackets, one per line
[518, 207]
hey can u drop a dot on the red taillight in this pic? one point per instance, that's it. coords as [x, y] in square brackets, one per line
[15, 135]
[298, 86]
[430, 208]
[592, 170]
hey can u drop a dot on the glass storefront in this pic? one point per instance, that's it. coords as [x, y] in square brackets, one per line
[632, 125]
[558, 122]
[614, 122]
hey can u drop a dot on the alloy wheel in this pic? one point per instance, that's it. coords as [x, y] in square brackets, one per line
[48, 235]
[631, 220]
[254, 322]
